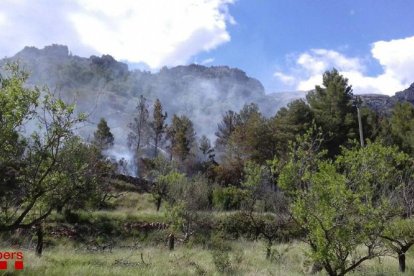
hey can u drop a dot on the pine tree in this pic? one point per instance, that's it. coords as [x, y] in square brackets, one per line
[158, 125]
[103, 138]
[206, 149]
[333, 110]
[139, 127]
[182, 136]
[229, 122]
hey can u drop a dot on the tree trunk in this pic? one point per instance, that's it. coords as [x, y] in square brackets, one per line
[158, 204]
[401, 261]
[39, 245]
[316, 267]
[171, 241]
[269, 249]
[156, 146]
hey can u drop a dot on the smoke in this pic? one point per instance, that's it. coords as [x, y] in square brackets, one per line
[104, 88]
[124, 159]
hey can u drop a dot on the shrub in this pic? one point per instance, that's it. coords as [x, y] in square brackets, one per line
[229, 198]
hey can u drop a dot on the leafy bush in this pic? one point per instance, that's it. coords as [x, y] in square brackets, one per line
[221, 260]
[229, 198]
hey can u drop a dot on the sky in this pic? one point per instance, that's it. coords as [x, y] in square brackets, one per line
[286, 44]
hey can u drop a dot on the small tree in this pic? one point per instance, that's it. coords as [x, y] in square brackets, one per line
[33, 176]
[139, 127]
[338, 220]
[158, 125]
[103, 137]
[339, 206]
[182, 136]
[399, 236]
[162, 174]
[206, 149]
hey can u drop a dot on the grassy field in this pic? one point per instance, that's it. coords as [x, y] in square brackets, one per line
[137, 255]
[245, 258]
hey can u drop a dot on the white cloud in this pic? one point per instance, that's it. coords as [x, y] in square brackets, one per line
[155, 32]
[286, 79]
[3, 18]
[396, 58]
[207, 61]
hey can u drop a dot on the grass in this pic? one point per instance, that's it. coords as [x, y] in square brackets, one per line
[147, 253]
[245, 258]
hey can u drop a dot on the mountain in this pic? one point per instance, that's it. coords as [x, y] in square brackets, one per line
[104, 87]
[383, 103]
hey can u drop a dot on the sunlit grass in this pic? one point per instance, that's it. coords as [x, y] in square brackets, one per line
[245, 258]
[147, 254]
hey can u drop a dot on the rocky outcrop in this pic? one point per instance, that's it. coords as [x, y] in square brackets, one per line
[383, 103]
[406, 95]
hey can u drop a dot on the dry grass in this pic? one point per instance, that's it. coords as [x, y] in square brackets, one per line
[245, 258]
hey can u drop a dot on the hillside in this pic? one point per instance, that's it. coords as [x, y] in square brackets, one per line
[104, 87]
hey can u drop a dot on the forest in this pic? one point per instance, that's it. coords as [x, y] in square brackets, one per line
[323, 186]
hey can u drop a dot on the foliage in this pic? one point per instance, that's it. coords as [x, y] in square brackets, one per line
[206, 149]
[399, 236]
[35, 179]
[289, 122]
[402, 126]
[333, 110]
[337, 221]
[103, 137]
[139, 127]
[229, 198]
[182, 136]
[226, 127]
[376, 169]
[158, 125]
[304, 156]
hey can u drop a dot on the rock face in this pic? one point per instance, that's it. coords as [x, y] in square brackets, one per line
[383, 103]
[406, 95]
[380, 103]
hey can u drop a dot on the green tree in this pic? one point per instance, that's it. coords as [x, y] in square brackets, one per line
[289, 122]
[103, 137]
[33, 178]
[182, 137]
[206, 149]
[161, 174]
[85, 175]
[139, 127]
[17, 106]
[337, 220]
[158, 124]
[386, 173]
[402, 126]
[399, 236]
[305, 153]
[252, 138]
[333, 110]
[224, 129]
[342, 205]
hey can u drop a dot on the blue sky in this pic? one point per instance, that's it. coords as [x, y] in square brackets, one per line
[268, 34]
[286, 44]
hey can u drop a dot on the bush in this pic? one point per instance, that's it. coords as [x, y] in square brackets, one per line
[229, 198]
[237, 225]
[221, 260]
